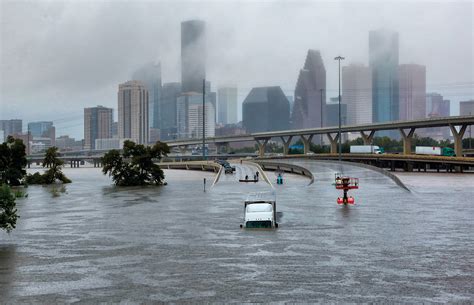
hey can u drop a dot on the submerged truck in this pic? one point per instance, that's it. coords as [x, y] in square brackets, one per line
[260, 211]
[435, 151]
[366, 149]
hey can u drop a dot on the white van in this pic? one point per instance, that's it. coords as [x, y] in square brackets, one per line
[260, 211]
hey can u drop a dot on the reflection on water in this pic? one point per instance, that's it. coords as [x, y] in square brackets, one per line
[96, 242]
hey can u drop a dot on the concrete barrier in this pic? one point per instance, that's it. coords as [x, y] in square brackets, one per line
[286, 167]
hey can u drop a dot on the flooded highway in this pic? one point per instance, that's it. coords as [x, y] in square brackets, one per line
[94, 242]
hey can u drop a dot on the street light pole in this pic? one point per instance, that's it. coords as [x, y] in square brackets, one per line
[321, 115]
[339, 58]
[204, 119]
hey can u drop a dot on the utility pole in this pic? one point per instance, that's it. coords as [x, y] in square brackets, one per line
[204, 119]
[470, 133]
[321, 115]
[339, 58]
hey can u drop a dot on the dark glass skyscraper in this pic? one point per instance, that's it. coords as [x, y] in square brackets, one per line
[169, 96]
[265, 109]
[310, 93]
[193, 55]
[383, 60]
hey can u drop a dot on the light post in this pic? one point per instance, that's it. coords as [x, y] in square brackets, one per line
[470, 134]
[321, 115]
[339, 58]
[204, 119]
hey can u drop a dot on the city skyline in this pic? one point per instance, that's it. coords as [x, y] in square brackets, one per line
[239, 67]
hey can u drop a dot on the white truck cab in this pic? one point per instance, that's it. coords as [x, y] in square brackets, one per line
[260, 211]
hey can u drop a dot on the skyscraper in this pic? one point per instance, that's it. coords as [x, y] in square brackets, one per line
[265, 109]
[43, 130]
[357, 93]
[10, 127]
[466, 107]
[383, 59]
[133, 112]
[436, 106]
[150, 75]
[412, 92]
[169, 97]
[97, 125]
[310, 93]
[193, 55]
[189, 117]
[227, 105]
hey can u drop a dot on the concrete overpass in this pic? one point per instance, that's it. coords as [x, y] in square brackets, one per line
[457, 124]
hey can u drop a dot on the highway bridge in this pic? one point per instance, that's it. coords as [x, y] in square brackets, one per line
[457, 124]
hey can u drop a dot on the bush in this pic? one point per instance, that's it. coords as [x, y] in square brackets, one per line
[8, 209]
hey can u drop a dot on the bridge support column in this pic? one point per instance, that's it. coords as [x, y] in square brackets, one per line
[458, 138]
[261, 146]
[407, 137]
[306, 143]
[333, 140]
[222, 147]
[70, 162]
[367, 137]
[286, 144]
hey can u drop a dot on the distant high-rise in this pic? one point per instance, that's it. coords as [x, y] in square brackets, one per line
[310, 93]
[412, 92]
[466, 107]
[150, 75]
[383, 59]
[227, 105]
[265, 109]
[193, 55]
[10, 127]
[133, 112]
[190, 116]
[169, 96]
[97, 125]
[437, 106]
[357, 93]
[41, 130]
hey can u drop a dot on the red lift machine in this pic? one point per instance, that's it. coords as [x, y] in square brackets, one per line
[345, 183]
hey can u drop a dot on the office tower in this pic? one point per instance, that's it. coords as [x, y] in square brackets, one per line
[10, 127]
[310, 93]
[227, 105]
[383, 59]
[189, 116]
[466, 107]
[114, 129]
[43, 132]
[357, 93]
[265, 109]
[169, 97]
[332, 116]
[133, 112]
[436, 106]
[193, 55]
[97, 125]
[150, 75]
[412, 92]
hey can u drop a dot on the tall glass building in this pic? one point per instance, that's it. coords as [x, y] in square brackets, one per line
[383, 60]
[150, 75]
[193, 55]
[169, 97]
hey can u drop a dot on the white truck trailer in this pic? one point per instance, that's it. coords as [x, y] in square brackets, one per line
[366, 149]
[260, 211]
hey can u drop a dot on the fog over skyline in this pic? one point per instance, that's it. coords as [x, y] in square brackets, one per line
[57, 57]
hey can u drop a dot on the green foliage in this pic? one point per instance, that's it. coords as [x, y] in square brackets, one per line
[8, 209]
[135, 166]
[12, 161]
[54, 172]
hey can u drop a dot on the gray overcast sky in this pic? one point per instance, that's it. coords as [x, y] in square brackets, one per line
[58, 57]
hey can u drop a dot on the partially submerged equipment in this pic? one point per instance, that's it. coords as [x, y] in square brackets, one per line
[345, 183]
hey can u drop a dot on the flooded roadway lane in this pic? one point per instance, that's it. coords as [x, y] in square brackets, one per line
[96, 242]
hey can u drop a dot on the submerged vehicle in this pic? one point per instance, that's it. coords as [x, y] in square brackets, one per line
[260, 211]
